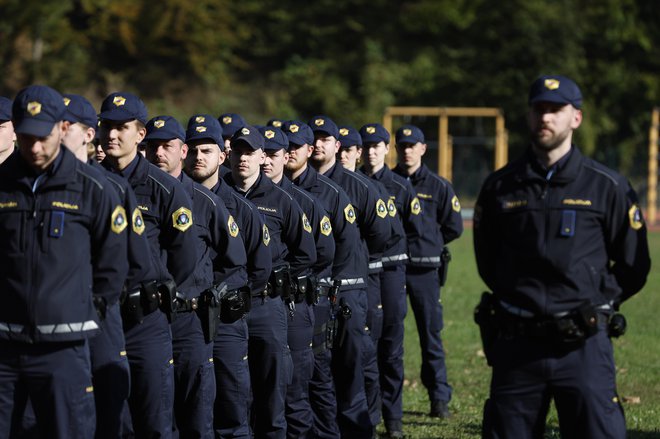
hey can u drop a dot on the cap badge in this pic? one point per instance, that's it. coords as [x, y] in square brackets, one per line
[294, 128]
[269, 134]
[226, 120]
[160, 123]
[245, 131]
[343, 131]
[119, 101]
[67, 101]
[200, 119]
[200, 129]
[277, 123]
[319, 122]
[371, 130]
[34, 108]
[407, 132]
[551, 84]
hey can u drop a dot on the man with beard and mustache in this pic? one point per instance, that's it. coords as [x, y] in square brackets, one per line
[561, 241]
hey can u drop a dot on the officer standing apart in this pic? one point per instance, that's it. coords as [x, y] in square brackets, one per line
[63, 246]
[7, 135]
[561, 241]
[428, 261]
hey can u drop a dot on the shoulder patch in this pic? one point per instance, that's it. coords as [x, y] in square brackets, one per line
[391, 207]
[266, 235]
[455, 204]
[137, 221]
[635, 217]
[118, 221]
[415, 206]
[182, 219]
[232, 226]
[306, 225]
[381, 209]
[326, 226]
[349, 213]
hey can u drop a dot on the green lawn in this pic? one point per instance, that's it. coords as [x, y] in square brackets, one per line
[637, 357]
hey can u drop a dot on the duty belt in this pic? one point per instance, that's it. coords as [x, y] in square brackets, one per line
[525, 314]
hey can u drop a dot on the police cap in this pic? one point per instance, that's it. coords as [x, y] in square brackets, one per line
[274, 138]
[555, 88]
[79, 110]
[250, 136]
[122, 105]
[231, 122]
[349, 136]
[409, 134]
[298, 133]
[5, 108]
[205, 127]
[36, 109]
[324, 124]
[374, 133]
[164, 128]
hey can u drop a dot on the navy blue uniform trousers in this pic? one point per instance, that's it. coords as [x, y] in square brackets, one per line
[270, 366]
[423, 288]
[299, 418]
[390, 344]
[232, 380]
[348, 368]
[528, 373]
[323, 399]
[151, 400]
[194, 378]
[57, 379]
[375, 325]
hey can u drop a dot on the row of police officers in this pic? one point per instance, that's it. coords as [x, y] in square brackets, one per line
[160, 292]
[169, 292]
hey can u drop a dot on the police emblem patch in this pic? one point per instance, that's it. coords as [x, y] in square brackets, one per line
[343, 131]
[119, 101]
[407, 131]
[245, 131]
[415, 206]
[371, 130]
[269, 134]
[118, 220]
[232, 226]
[381, 209]
[226, 120]
[67, 101]
[200, 129]
[319, 122]
[200, 119]
[326, 226]
[349, 213]
[294, 128]
[635, 216]
[160, 123]
[137, 221]
[34, 108]
[182, 219]
[551, 84]
[277, 123]
[391, 207]
[455, 204]
[266, 235]
[306, 225]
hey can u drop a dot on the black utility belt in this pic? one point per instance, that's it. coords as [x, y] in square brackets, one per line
[150, 296]
[282, 283]
[573, 327]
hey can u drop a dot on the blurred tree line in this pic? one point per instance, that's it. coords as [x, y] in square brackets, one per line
[349, 59]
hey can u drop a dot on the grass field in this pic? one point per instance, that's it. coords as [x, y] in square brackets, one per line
[637, 357]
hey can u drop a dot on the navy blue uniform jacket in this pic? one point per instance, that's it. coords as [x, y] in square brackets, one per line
[62, 240]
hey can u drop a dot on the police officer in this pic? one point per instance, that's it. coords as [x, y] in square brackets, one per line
[230, 123]
[7, 135]
[72, 238]
[293, 253]
[219, 249]
[301, 325]
[349, 266]
[561, 241]
[427, 265]
[405, 210]
[164, 216]
[230, 352]
[110, 369]
[370, 213]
